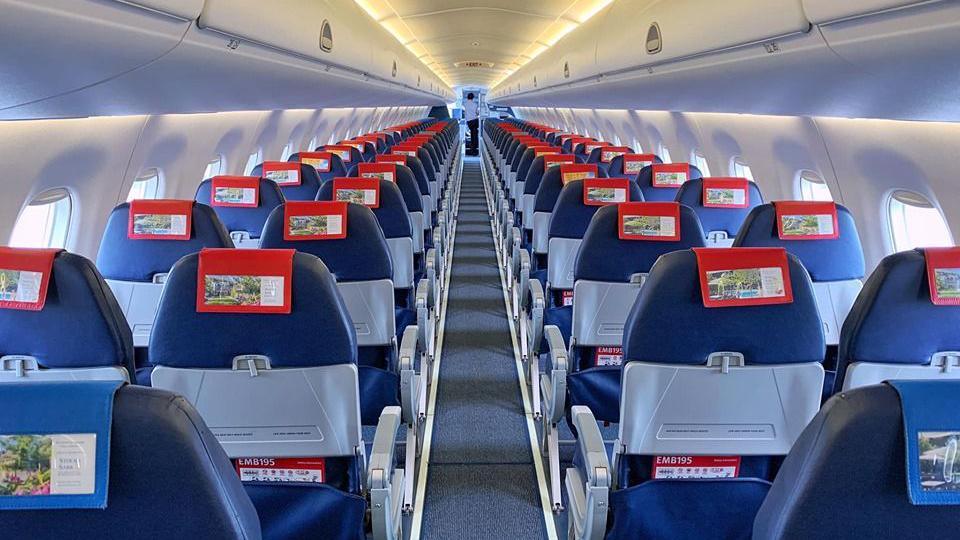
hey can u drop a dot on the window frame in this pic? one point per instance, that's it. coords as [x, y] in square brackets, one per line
[221, 162]
[699, 160]
[807, 176]
[740, 169]
[151, 174]
[664, 153]
[49, 197]
[253, 160]
[287, 151]
[902, 197]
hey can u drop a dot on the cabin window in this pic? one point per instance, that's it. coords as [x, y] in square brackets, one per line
[812, 188]
[616, 140]
[255, 159]
[915, 222]
[313, 144]
[45, 222]
[145, 186]
[287, 151]
[636, 147]
[664, 153]
[215, 167]
[740, 169]
[700, 161]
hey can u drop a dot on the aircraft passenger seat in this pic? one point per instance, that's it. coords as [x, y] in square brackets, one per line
[662, 181]
[242, 203]
[722, 204]
[297, 181]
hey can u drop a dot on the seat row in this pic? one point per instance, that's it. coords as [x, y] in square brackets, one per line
[710, 361]
[265, 363]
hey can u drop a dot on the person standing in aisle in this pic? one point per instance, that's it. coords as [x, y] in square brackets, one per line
[471, 112]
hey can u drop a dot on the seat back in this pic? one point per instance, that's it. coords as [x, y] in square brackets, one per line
[732, 379]
[895, 330]
[727, 205]
[59, 321]
[403, 177]
[662, 181]
[296, 184]
[136, 265]
[155, 448]
[836, 265]
[546, 198]
[244, 220]
[909, 483]
[570, 218]
[630, 165]
[360, 261]
[394, 220]
[611, 268]
[327, 165]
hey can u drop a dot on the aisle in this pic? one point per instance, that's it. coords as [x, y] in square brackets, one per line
[481, 482]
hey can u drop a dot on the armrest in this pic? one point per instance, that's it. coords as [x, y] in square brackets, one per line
[409, 378]
[432, 261]
[425, 321]
[515, 241]
[588, 497]
[384, 480]
[536, 306]
[554, 383]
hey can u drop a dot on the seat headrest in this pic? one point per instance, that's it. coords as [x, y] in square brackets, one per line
[419, 174]
[309, 183]
[318, 330]
[549, 189]
[717, 219]
[670, 325]
[337, 168]
[407, 184]
[81, 324]
[603, 256]
[893, 320]
[816, 473]
[571, 216]
[645, 181]
[244, 219]
[825, 260]
[362, 256]
[391, 214]
[124, 259]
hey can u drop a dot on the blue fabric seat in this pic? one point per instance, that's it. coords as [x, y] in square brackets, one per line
[244, 221]
[723, 221]
[645, 180]
[337, 169]
[309, 183]
[894, 329]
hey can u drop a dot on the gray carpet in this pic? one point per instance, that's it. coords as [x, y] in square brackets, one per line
[481, 482]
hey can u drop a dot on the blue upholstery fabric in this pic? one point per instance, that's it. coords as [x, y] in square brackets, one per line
[825, 260]
[523, 166]
[301, 512]
[391, 214]
[419, 174]
[309, 183]
[645, 181]
[851, 453]
[427, 163]
[160, 450]
[687, 509]
[597, 388]
[337, 168]
[717, 219]
[81, 324]
[317, 332]
[672, 293]
[549, 189]
[615, 169]
[355, 156]
[123, 259]
[362, 256]
[244, 219]
[407, 184]
[604, 256]
[893, 320]
[571, 217]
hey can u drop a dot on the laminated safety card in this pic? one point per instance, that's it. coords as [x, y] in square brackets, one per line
[48, 464]
[687, 467]
[356, 144]
[314, 220]
[321, 161]
[236, 191]
[669, 175]
[396, 159]
[245, 281]
[380, 171]
[943, 275]
[589, 147]
[656, 221]
[577, 141]
[634, 163]
[807, 220]
[605, 191]
[726, 193]
[609, 152]
[344, 151]
[365, 191]
[608, 356]
[577, 171]
[24, 277]
[552, 160]
[160, 220]
[284, 173]
[406, 150]
[260, 469]
[732, 277]
[545, 151]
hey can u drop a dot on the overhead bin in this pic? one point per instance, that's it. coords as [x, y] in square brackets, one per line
[184, 9]
[824, 11]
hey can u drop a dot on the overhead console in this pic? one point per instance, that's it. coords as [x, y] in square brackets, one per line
[111, 57]
[791, 57]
